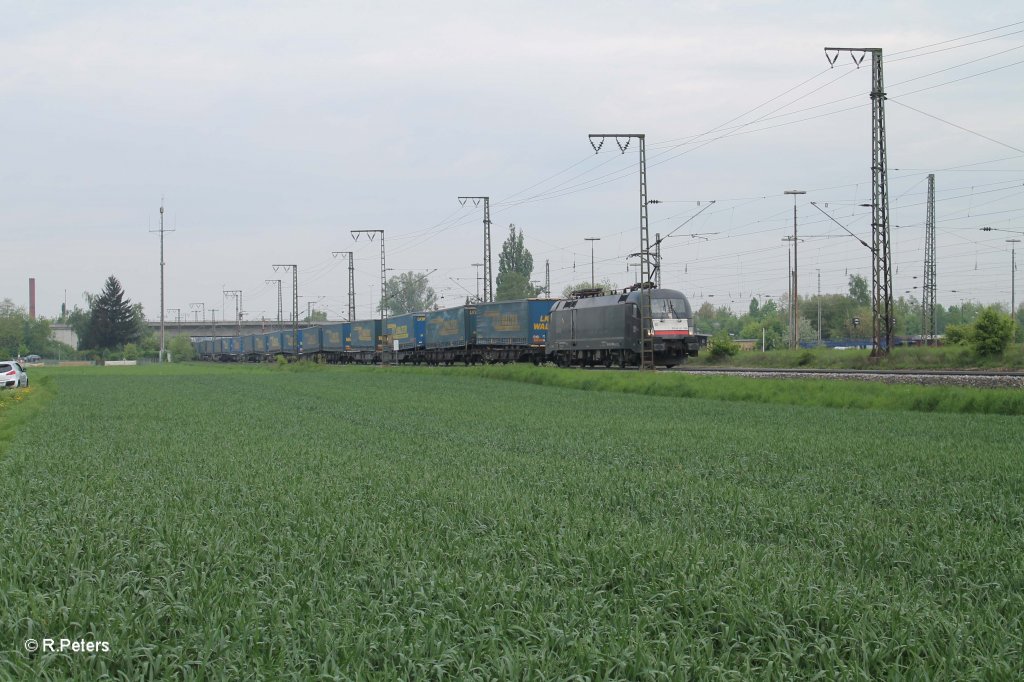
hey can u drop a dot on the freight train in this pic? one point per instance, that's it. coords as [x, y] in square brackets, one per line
[587, 329]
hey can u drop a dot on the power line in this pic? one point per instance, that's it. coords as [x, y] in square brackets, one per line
[955, 125]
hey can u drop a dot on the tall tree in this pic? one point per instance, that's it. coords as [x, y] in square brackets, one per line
[515, 266]
[409, 292]
[316, 316]
[859, 290]
[12, 333]
[113, 320]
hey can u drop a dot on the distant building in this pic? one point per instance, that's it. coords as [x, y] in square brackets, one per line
[64, 333]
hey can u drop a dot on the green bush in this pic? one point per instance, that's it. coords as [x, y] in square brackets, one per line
[992, 332]
[722, 346]
[958, 333]
[181, 348]
[130, 352]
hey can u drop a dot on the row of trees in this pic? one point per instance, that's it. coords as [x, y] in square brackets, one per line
[109, 326]
[20, 336]
[843, 316]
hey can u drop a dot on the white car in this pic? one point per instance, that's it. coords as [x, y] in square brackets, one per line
[12, 375]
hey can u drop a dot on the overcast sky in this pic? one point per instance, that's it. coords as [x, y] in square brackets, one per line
[273, 129]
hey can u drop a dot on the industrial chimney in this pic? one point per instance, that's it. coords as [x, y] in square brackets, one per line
[32, 298]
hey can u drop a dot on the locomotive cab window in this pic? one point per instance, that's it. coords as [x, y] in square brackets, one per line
[668, 308]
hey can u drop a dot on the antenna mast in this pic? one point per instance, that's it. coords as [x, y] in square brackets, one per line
[163, 345]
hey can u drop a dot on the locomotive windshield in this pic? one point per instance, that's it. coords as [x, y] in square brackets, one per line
[668, 308]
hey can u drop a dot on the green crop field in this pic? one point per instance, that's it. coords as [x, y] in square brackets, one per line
[365, 523]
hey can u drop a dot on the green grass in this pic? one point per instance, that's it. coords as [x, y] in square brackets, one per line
[20, 405]
[799, 391]
[264, 523]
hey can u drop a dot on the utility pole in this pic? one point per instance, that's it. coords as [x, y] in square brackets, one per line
[351, 282]
[295, 301]
[1013, 283]
[488, 281]
[237, 295]
[196, 307]
[547, 277]
[647, 264]
[928, 330]
[280, 310]
[790, 316]
[819, 307]
[593, 284]
[477, 266]
[371, 235]
[881, 270]
[213, 321]
[796, 294]
[163, 346]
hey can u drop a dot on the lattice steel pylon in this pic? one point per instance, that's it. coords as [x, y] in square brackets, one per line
[295, 301]
[280, 303]
[928, 293]
[237, 295]
[371, 234]
[648, 264]
[351, 282]
[488, 279]
[657, 260]
[881, 265]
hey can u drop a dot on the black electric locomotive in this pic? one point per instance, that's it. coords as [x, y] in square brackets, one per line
[592, 329]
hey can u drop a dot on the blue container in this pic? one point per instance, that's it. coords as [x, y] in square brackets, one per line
[452, 327]
[365, 335]
[332, 337]
[259, 343]
[513, 323]
[249, 344]
[409, 330]
[274, 343]
[310, 340]
[288, 342]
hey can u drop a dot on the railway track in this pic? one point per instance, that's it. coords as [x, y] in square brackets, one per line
[975, 378]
